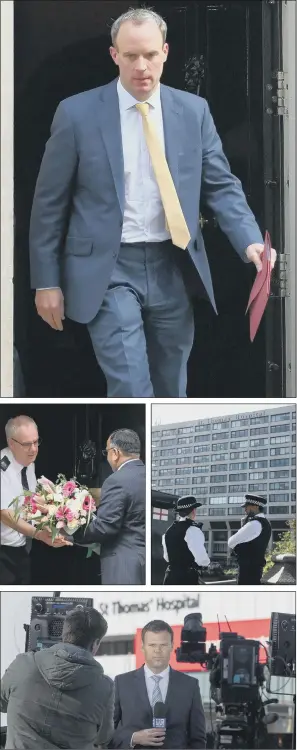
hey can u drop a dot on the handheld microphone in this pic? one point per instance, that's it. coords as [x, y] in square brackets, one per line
[159, 716]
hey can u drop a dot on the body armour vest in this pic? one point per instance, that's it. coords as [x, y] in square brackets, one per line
[254, 551]
[177, 549]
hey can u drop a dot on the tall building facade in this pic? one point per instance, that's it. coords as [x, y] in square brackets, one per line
[220, 459]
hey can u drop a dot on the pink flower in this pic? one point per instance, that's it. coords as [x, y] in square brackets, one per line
[29, 504]
[64, 514]
[68, 488]
[88, 503]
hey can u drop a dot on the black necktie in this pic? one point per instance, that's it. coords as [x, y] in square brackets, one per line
[25, 485]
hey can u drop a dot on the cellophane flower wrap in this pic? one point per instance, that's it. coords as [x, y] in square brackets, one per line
[61, 507]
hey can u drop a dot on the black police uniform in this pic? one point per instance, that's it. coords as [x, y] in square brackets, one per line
[182, 569]
[251, 554]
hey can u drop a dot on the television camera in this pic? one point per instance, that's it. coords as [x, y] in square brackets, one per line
[237, 678]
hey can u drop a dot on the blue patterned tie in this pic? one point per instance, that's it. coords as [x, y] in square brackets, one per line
[157, 695]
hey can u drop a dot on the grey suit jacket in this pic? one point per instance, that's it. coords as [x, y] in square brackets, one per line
[120, 522]
[78, 207]
[185, 721]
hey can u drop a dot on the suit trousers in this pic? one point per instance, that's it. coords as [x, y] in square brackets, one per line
[14, 565]
[143, 334]
[249, 574]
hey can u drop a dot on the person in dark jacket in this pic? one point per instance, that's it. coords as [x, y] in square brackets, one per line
[119, 526]
[59, 697]
[249, 544]
[183, 545]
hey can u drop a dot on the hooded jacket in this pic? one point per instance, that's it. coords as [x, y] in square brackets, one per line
[57, 698]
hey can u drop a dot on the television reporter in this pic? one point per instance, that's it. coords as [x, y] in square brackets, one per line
[59, 697]
[137, 692]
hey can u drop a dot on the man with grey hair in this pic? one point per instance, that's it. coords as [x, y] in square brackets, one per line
[119, 525]
[115, 232]
[17, 474]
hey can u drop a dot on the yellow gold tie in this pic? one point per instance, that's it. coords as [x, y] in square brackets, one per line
[175, 219]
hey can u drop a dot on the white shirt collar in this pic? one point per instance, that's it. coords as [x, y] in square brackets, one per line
[126, 100]
[127, 462]
[13, 461]
[149, 672]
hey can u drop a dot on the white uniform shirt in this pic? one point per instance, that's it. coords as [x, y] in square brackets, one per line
[247, 533]
[11, 487]
[150, 684]
[144, 217]
[195, 541]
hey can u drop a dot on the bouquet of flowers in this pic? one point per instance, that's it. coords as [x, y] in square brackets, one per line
[63, 506]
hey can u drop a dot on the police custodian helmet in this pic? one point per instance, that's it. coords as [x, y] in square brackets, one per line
[186, 504]
[252, 499]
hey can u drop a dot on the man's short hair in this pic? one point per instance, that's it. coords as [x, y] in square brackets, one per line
[83, 626]
[14, 423]
[156, 626]
[127, 441]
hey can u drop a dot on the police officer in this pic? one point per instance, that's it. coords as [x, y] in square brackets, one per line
[17, 474]
[250, 543]
[183, 545]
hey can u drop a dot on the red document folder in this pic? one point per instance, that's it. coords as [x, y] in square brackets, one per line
[261, 288]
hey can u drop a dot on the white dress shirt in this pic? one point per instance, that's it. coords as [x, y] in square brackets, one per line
[127, 462]
[11, 487]
[150, 683]
[144, 217]
[195, 541]
[247, 533]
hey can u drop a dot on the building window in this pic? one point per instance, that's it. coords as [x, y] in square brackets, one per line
[237, 510]
[183, 460]
[156, 434]
[293, 508]
[238, 467]
[279, 485]
[200, 480]
[259, 430]
[221, 436]
[279, 417]
[218, 511]
[219, 446]
[258, 475]
[184, 441]
[219, 467]
[217, 426]
[240, 423]
[235, 499]
[201, 448]
[165, 472]
[280, 428]
[201, 459]
[259, 487]
[237, 488]
[205, 427]
[186, 430]
[182, 451]
[166, 433]
[220, 457]
[239, 454]
[239, 444]
[280, 439]
[280, 462]
[283, 473]
[285, 451]
[259, 453]
[182, 480]
[183, 471]
[237, 477]
[180, 491]
[201, 490]
[167, 461]
[168, 452]
[280, 497]
[258, 464]
[218, 501]
[279, 509]
[165, 482]
[217, 478]
[155, 454]
[259, 420]
[258, 441]
[202, 438]
[167, 442]
[200, 469]
[219, 490]
[239, 433]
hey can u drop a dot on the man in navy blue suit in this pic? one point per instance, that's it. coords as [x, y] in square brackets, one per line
[115, 220]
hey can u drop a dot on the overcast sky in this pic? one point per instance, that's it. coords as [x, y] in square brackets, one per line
[170, 413]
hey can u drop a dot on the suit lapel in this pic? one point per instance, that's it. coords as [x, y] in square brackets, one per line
[142, 695]
[110, 125]
[172, 124]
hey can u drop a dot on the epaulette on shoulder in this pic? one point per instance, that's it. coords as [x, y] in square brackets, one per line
[4, 463]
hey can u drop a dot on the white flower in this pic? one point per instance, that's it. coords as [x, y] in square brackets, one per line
[51, 509]
[57, 497]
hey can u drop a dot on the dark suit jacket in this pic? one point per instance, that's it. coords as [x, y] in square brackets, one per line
[120, 524]
[185, 721]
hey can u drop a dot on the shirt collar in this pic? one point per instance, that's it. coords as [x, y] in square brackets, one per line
[149, 672]
[127, 462]
[13, 461]
[126, 100]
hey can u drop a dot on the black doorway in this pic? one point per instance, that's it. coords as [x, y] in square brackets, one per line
[63, 427]
[216, 51]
